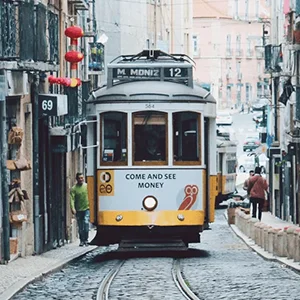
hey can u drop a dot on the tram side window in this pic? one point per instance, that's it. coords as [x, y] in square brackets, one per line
[114, 137]
[186, 136]
[149, 142]
[231, 164]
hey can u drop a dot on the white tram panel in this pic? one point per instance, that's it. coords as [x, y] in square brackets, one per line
[172, 188]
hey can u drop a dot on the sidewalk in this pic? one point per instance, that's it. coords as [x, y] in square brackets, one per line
[274, 222]
[18, 273]
[268, 221]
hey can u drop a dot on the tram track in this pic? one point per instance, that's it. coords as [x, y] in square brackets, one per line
[103, 290]
[180, 282]
[176, 273]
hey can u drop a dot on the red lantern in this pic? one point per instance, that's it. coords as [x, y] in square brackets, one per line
[73, 57]
[74, 32]
[65, 81]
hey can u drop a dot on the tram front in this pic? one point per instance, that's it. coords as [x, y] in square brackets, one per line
[150, 132]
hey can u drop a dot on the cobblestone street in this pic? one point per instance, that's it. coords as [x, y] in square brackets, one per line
[221, 267]
[231, 270]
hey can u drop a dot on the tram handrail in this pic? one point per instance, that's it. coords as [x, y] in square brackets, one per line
[77, 126]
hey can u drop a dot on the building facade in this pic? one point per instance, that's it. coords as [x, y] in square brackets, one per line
[39, 135]
[282, 65]
[132, 27]
[228, 50]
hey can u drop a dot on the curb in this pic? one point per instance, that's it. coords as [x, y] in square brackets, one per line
[21, 284]
[264, 254]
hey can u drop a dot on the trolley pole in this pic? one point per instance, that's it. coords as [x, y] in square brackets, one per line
[4, 174]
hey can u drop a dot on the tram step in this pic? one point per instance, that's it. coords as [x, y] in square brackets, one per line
[156, 245]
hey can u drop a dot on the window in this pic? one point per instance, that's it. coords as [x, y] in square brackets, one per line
[246, 10]
[257, 9]
[231, 164]
[186, 137]
[247, 92]
[236, 10]
[150, 137]
[238, 45]
[228, 45]
[195, 45]
[113, 138]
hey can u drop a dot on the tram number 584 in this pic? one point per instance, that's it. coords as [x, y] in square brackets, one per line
[149, 106]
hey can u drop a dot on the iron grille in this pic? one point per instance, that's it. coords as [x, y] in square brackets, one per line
[8, 37]
[53, 36]
[41, 41]
[26, 30]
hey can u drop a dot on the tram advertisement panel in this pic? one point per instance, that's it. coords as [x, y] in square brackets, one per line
[173, 189]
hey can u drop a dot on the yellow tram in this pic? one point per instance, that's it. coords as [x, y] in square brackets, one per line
[151, 144]
[226, 170]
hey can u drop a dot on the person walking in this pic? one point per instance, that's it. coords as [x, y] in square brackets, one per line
[80, 208]
[257, 187]
[246, 182]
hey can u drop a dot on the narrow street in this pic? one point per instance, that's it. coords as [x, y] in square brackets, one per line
[222, 266]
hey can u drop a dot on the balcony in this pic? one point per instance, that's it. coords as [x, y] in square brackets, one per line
[273, 58]
[80, 4]
[24, 45]
[96, 58]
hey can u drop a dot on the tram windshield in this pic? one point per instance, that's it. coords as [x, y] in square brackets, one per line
[150, 136]
[114, 137]
[186, 136]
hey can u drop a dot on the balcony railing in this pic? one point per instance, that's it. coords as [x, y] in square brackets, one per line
[23, 40]
[80, 4]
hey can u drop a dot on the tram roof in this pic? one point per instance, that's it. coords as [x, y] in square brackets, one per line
[151, 91]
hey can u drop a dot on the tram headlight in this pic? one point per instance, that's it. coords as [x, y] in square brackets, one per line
[180, 217]
[119, 218]
[150, 203]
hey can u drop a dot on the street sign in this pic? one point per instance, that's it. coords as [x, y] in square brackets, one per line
[53, 105]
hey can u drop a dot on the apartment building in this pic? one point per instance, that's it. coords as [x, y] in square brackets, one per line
[40, 122]
[228, 49]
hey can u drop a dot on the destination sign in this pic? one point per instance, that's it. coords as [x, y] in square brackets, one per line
[150, 73]
[136, 73]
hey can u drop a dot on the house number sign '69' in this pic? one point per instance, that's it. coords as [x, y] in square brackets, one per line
[53, 105]
[47, 105]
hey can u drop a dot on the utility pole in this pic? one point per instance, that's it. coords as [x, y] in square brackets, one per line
[4, 173]
[297, 87]
[155, 23]
[35, 165]
[172, 27]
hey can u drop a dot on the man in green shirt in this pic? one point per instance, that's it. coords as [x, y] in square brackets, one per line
[80, 207]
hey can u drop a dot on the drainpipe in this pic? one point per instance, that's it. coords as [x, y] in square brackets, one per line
[35, 165]
[276, 83]
[297, 88]
[4, 173]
